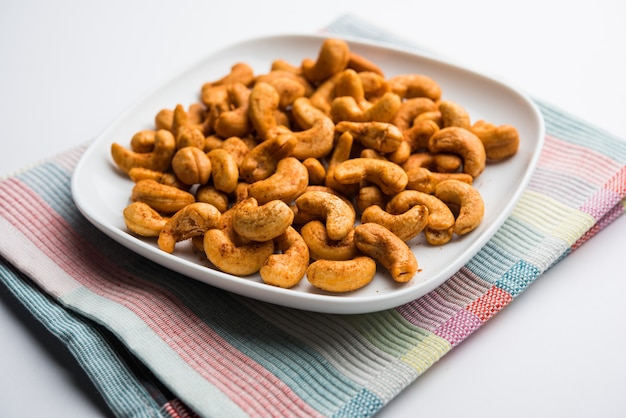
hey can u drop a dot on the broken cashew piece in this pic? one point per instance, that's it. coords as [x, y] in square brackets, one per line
[343, 275]
[286, 268]
[388, 249]
[467, 197]
[191, 221]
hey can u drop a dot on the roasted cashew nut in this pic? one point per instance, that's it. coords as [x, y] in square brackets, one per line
[389, 176]
[380, 136]
[343, 275]
[321, 247]
[341, 152]
[410, 109]
[453, 114]
[388, 249]
[142, 220]
[261, 223]
[139, 173]
[288, 181]
[415, 85]
[224, 170]
[464, 143]
[207, 193]
[264, 102]
[424, 180]
[406, 225]
[468, 198]
[332, 58]
[419, 134]
[315, 142]
[338, 215]
[240, 260]
[158, 159]
[262, 161]
[439, 229]
[305, 114]
[191, 165]
[235, 122]
[500, 141]
[369, 196]
[191, 221]
[161, 197]
[286, 268]
[347, 108]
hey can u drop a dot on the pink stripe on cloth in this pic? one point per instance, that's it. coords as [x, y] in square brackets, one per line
[247, 383]
[578, 162]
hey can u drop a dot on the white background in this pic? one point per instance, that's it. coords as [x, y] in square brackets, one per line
[68, 68]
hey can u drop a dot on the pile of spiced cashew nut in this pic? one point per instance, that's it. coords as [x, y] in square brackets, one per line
[270, 172]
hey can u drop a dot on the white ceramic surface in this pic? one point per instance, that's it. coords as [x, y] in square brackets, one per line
[101, 191]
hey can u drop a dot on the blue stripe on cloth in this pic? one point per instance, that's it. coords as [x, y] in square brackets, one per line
[120, 388]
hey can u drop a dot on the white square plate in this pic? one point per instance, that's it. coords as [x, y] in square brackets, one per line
[101, 192]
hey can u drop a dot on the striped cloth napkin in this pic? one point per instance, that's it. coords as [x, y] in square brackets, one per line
[159, 344]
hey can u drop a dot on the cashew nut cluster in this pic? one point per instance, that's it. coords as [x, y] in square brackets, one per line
[324, 169]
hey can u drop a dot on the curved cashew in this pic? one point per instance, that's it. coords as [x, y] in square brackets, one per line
[315, 142]
[453, 114]
[191, 221]
[439, 228]
[240, 72]
[406, 225]
[467, 197]
[415, 85]
[389, 176]
[361, 64]
[305, 114]
[316, 170]
[341, 152]
[195, 118]
[240, 260]
[500, 141]
[261, 223]
[374, 85]
[419, 134]
[161, 197]
[388, 249]
[410, 109]
[224, 170]
[380, 136]
[236, 147]
[424, 180]
[338, 215]
[142, 220]
[464, 143]
[341, 276]
[324, 94]
[139, 173]
[261, 161]
[349, 109]
[264, 102]
[288, 181]
[321, 247]
[289, 86]
[441, 163]
[158, 159]
[332, 58]
[143, 141]
[191, 165]
[288, 267]
[235, 122]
